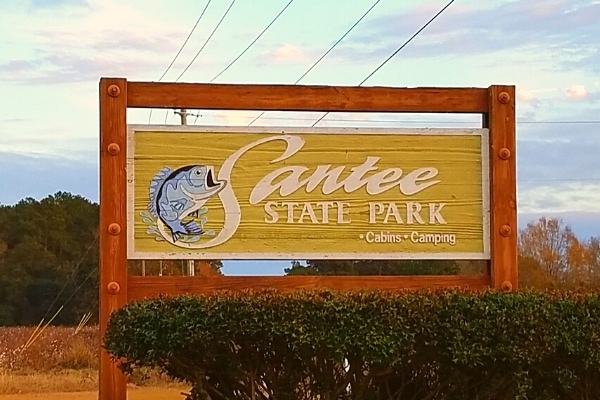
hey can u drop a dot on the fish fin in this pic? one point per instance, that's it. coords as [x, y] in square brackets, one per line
[192, 228]
[176, 236]
[155, 184]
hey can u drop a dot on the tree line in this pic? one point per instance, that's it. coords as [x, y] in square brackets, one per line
[49, 258]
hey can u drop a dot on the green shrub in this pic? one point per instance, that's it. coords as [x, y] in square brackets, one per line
[446, 344]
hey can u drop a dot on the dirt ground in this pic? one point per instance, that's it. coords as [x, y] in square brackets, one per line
[132, 394]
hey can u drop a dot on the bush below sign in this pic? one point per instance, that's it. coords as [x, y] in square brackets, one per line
[446, 344]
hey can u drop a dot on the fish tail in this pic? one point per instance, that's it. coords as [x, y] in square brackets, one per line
[177, 231]
[192, 228]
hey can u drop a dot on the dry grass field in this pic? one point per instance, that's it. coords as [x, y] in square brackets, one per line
[132, 394]
[62, 363]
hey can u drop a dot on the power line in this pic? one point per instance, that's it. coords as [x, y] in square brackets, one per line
[206, 42]
[327, 52]
[186, 40]
[181, 48]
[92, 272]
[408, 121]
[202, 48]
[397, 51]
[560, 122]
[252, 43]
[72, 274]
[562, 180]
[337, 42]
[406, 43]
[591, 122]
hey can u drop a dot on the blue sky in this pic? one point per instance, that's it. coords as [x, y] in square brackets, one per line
[53, 53]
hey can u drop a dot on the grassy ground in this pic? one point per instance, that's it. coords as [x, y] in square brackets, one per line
[20, 382]
[132, 394]
[65, 360]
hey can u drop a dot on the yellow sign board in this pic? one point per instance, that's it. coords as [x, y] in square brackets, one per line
[297, 193]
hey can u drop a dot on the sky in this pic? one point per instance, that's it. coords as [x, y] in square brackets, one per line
[54, 52]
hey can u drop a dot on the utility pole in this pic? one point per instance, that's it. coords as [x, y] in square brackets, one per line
[183, 114]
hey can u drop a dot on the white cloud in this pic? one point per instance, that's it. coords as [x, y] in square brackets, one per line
[108, 38]
[284, 53]
[560, 196]
[236, 118]
[524, 95]
[577, 92]
[555, 35]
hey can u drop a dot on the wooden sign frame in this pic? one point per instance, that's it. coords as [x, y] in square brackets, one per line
[496, 104]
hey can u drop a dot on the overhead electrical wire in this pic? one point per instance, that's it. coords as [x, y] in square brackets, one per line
[396, 52]
[77, 266]
[181, 48]
[254, 41]
[78, 288]
[337, 42]
[206, 42]
[185, 42]
[37, 332]
[327, 52]
[405, 121]
[203, 46]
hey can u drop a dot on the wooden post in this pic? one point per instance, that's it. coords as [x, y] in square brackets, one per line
[503, 182]
[113, 223]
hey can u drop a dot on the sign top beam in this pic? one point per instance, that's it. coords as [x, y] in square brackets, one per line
[306, 98]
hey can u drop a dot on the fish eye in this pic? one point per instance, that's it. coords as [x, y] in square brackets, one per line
[198, 172]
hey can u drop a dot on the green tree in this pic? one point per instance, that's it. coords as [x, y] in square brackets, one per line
[48, 250]
[374, 267]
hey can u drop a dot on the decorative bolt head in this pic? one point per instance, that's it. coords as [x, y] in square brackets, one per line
[114, 229]
[504, 153]
[504, 97]
[113, 288]
[114, 90]
[505, 230]
[114, 149]
[506, 285]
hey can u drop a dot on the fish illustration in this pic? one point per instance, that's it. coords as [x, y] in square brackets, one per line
[176, 194]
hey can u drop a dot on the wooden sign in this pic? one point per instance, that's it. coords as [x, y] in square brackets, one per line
[301, 193]
[256, 193]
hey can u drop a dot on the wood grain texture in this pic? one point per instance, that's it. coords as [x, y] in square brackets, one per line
[141, 287]
[205, 269]
[378, 223]
[113, 209]
[306, 98]
[503, 179]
